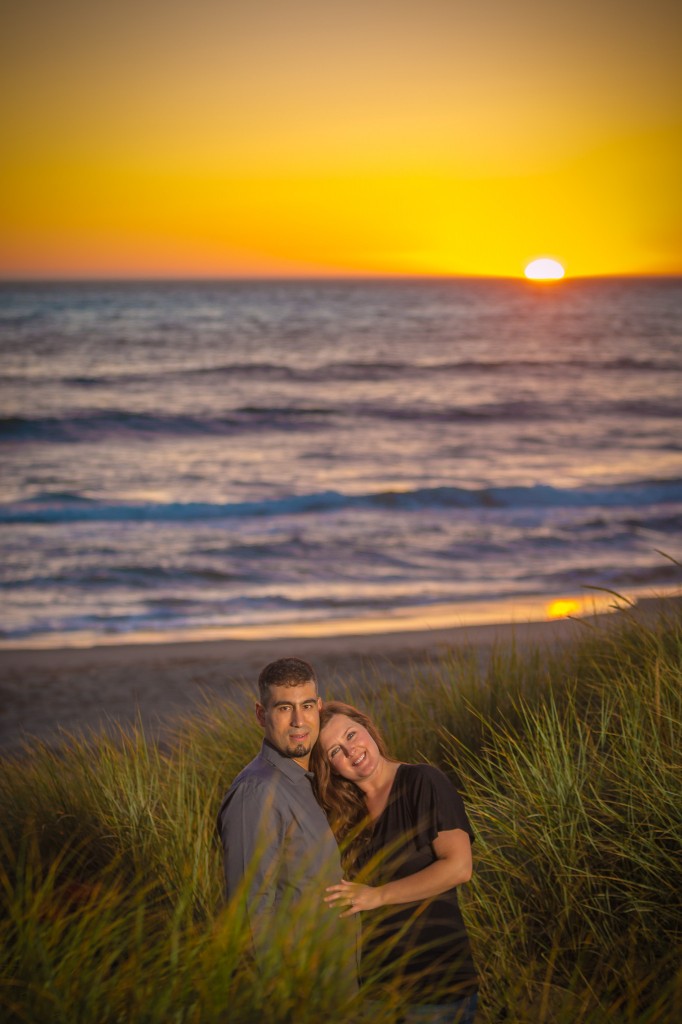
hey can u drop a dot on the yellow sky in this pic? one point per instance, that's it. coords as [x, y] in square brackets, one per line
[285, 137]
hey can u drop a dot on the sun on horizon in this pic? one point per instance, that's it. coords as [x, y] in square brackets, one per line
[544, 269]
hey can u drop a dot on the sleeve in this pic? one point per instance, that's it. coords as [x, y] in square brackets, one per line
[251, 830]
[438, 805]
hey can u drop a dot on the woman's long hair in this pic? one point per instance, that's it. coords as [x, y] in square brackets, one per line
[342, 801]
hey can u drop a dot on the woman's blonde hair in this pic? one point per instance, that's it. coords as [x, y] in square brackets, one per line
[341, 800]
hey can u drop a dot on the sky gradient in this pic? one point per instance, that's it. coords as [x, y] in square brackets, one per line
[297, 138]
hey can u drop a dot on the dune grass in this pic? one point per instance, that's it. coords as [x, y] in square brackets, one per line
[110, 872]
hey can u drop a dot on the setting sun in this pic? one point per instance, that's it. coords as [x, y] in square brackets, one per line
[544, 270]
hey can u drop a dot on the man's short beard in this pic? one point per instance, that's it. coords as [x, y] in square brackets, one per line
[300, 750]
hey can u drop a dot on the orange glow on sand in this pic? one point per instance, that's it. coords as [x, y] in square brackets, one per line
[563, 607]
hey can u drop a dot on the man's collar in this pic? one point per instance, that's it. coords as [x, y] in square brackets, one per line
[292, 769]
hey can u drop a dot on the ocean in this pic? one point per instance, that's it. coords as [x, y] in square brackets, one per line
[206, 458]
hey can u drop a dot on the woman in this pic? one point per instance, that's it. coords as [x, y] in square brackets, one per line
[406, 845]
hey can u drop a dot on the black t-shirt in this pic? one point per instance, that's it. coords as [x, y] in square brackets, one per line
[423, 946]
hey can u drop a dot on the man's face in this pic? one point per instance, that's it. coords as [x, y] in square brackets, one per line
[291, 720]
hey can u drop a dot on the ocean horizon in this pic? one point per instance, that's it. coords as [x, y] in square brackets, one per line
[196, 458]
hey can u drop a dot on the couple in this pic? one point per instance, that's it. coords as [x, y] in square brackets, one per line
[323, 777]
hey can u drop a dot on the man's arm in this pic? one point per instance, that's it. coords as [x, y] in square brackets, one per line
[252, 837]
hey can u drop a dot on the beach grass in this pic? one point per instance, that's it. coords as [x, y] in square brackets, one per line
[111, 902]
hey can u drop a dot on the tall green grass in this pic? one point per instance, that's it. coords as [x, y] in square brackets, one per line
[111, 902]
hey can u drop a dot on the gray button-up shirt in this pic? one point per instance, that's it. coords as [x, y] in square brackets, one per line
[279, 852]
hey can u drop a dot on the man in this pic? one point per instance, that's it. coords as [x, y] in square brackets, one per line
[279, 852]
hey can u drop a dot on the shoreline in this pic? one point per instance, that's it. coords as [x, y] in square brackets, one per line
[48, 693]
[416, 618]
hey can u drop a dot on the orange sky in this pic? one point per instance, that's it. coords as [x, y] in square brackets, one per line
[286, 137]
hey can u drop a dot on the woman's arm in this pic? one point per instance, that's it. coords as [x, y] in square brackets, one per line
[453, 865]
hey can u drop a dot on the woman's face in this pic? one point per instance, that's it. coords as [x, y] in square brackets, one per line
[349, 748]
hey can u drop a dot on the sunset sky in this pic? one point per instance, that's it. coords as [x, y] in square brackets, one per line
[304, 137]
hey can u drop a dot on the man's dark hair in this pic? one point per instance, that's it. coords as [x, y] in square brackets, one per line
[284, 672]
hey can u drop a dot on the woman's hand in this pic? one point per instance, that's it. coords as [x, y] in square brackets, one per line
[353, 896]
[452, 867]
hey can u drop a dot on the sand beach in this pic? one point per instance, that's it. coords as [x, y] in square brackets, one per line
[47, 694]
[44, 693]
